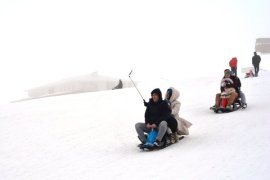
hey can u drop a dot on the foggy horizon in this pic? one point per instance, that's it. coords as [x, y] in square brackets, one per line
[43, 42]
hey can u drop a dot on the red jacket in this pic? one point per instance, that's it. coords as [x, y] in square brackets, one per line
[233, 62]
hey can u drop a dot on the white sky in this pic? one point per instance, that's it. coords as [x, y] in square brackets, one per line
[44, 41]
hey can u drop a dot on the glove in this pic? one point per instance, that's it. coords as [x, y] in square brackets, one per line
[168, 102]
[145, 103]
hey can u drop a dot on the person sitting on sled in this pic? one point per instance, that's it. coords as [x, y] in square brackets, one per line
[232, 83]
[238, 84]
[156, 116]
[225, 95]
[171, 97]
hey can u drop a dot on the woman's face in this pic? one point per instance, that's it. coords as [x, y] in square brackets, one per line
[155, 97]
[227, 75]
[167, 96]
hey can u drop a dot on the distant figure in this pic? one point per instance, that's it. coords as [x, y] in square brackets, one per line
[119, 85]
[249, 74]
[233, 65]
[256, 59]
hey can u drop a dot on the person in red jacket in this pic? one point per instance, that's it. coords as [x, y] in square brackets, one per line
[233, 65]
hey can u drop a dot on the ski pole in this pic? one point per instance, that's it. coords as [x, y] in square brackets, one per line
[134, 84]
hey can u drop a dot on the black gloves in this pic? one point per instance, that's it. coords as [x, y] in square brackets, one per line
[145, 103]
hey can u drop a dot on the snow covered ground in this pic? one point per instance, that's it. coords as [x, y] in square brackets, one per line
[92, 136]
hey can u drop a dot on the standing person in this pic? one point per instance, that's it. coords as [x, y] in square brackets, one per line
[256, 59]
[233, 65]
[171, 97]
[156, 114]
[119, 85]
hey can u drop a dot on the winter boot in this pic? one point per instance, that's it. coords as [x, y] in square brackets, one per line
[173, 137]
[244, 105]
[159, 144]
[142, 142]
[229, 107]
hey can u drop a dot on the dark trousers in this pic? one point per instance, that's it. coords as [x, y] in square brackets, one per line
[172, 123]
[256, 69]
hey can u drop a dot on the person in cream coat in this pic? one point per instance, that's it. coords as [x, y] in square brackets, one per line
[171, 97]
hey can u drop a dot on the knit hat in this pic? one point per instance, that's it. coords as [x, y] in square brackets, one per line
[227, 71]
[158, 92]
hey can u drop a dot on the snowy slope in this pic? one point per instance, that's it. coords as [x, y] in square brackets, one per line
[92, 136]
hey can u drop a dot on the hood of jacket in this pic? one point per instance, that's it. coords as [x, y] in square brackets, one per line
[175, 94]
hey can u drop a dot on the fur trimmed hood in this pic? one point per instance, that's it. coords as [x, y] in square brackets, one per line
[175, 94]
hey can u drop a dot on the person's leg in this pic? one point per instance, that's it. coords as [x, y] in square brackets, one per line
[162, 128]
[258, 69]
[243, 98]
[141, 129]
[169, 131]
[232, 98]
[217, 100]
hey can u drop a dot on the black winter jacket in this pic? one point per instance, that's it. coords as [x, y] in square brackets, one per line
[256, 59]
[157, 112]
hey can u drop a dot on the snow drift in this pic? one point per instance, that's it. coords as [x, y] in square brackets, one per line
[85, 83]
